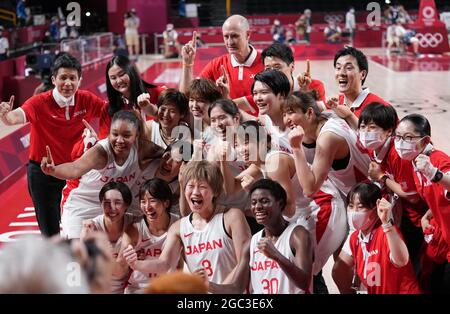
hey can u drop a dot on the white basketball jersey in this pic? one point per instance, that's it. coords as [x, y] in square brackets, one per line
[280, 139]
[266, 275]
[211, 248]
[149, 247]
[323, 216]
[358, 165]
[156, 135]
[118, 284]
[80, 196]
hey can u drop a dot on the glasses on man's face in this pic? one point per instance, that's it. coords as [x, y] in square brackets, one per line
[407, 138]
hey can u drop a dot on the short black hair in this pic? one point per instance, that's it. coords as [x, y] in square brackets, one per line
[119, 186]
[174, 96]
[280, 51]
[360, 57]
[66, 61]
[421, 124]
[129, 116]
[368, 194]
[275, 189]
[383, 116]
[157, 188]
[226, 105]
[276, 80]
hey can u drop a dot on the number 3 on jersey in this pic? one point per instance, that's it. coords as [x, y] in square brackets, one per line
[270, 286]
[206, 264]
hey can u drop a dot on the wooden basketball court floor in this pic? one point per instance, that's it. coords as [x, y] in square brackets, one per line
[412, 85]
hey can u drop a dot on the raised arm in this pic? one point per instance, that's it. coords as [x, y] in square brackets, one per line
[344, 112]
[10, 116]
[188, 56]
[311, 179]
[298, 271]
[398, 251]
[94, 158]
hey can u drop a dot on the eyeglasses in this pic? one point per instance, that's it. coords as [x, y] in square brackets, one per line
[407, 138]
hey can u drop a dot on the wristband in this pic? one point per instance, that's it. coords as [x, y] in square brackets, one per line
[387, 226]
[188, 65]
[438, 176]
[383, 178]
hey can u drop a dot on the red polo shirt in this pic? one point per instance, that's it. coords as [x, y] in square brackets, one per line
[49, 124]
[377, 272]
[363, 99]
[241, 75]
[402, 172]
[436, 196]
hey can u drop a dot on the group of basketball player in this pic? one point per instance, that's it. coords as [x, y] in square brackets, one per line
[245, 176]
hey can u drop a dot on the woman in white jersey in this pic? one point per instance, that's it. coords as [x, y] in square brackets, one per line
[270, 89]
[209, 239]
[202, 93]
[253, 144]
[279, 258]
[225, 119]
[112, 159]
[337, 156]
[172, 108]
[115, 198]
[155, 202]
[336, 153]
[321, 213]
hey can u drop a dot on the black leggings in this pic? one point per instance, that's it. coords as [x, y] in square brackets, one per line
[46, 194]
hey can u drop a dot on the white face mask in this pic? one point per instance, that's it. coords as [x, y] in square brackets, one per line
[371, 140]
[406, 150]
[361, 220]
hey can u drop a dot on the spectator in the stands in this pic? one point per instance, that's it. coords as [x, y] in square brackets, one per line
[350, 23]
[4, 45]
[131, 24]
[21, 13]
[200, 42]
[48, 39]
[63, 30]
[303, 26]
[278, 32]
[332, 32]
[171, 44]
[54, 28]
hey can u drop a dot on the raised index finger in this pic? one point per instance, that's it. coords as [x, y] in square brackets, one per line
[194, 39]
[224, 72]
[308, 68]
[11, 102]
[88, 126]
[49, 154]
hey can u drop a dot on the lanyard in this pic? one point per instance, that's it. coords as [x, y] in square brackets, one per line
[365, 253]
